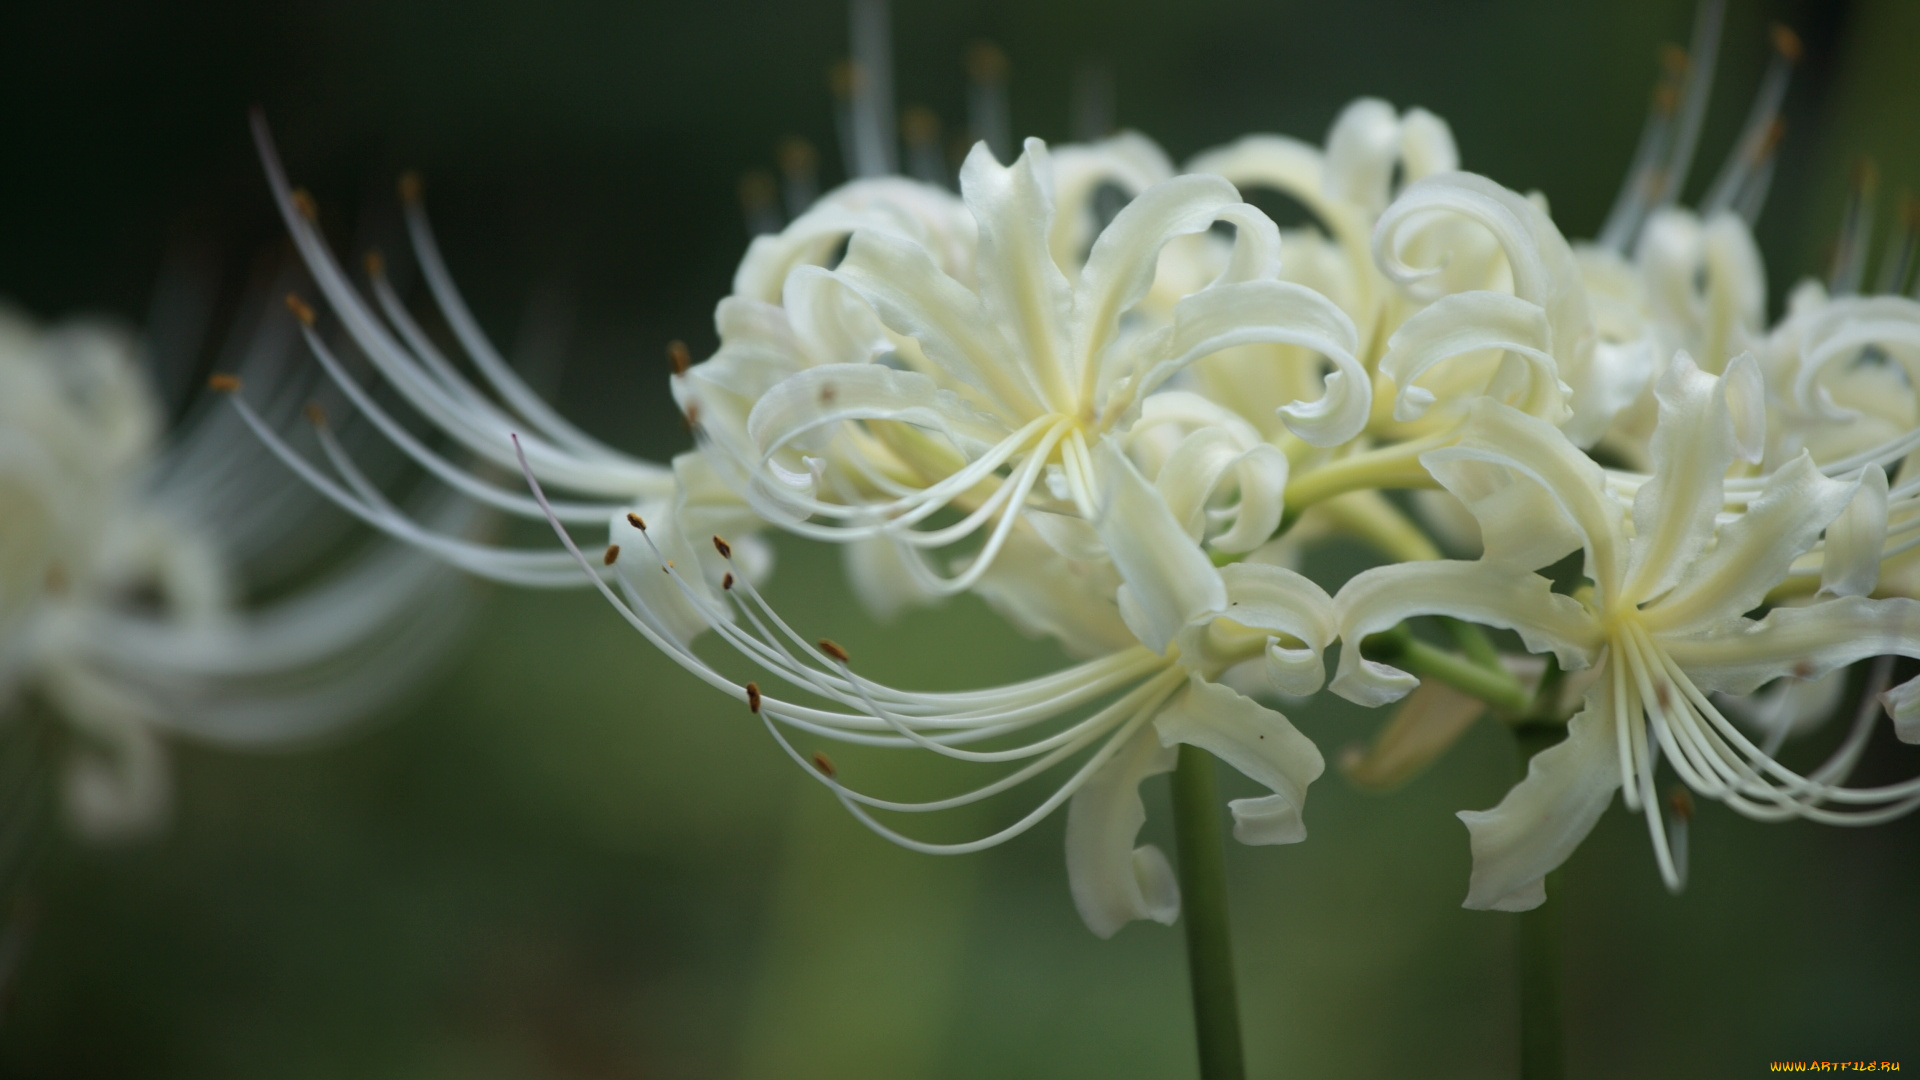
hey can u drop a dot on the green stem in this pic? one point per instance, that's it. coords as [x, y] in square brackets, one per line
[1203, 906]
[1473, 641]
[1492, 684]
[1542, 1055]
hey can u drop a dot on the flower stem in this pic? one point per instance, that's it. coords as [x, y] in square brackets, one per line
[1203, 904]
[1542, 1056]
[1493, 685]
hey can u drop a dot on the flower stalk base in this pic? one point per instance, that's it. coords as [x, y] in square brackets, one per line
[1542, 1051]
[1203, 900]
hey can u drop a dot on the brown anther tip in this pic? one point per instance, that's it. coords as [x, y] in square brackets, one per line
[637, 521]
[1909, 211]
[678, 356]
[985, 62]
[612, 556]
[301, 310]
[726, 582]
[1663, 693]
[1681, 800]
[315, 415]
[1803, 669]
[757, 189]
[410, 185]
[1866, 175]
[376, 264]
[303, 202]
[919, 125]
[824, 763]
[833, 649]
[1666, 98]
[753, 697]
[224, 383]
[725, 549]
[1786, 43]
[1775, 132]
[1673, 61]
[796, 155]
[843, 77]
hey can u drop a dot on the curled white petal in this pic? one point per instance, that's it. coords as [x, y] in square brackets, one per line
[1259, 742]
[1856, 538]
[1168, 580]
[1533, 830]
[1112, 881]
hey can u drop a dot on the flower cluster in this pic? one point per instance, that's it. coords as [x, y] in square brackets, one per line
[1112, 398]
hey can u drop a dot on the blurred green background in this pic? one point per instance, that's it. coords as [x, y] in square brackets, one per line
[562, 857]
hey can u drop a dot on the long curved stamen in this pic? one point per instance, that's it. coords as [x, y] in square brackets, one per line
[1898, 262]
[1760, 135]
[1667, 143]
[481, 432]
[900, 514]
[1856, 233]
[825, 671]
[535, 569]
[499, 375]
[1053, 802]
[871, 102]
[1623, 721]
[1808, 790]
[1704, 56]
[452, 475]
[799, 175]
[987, 113]
[925, 159]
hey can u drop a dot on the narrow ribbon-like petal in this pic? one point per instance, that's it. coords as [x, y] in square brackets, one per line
[1805, 642]
[1169, 581]
[1276, 312]
[1533, 830]
[1856, 538]
[1673, 513]
[1539, 453]
[1753, 552]
[1465, 324]
[1487, 593]
[1113, 882]
[1259, 742]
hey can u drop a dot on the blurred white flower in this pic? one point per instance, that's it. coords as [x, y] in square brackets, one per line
[121, 577]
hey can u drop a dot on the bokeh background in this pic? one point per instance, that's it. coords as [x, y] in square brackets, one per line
[563, 858]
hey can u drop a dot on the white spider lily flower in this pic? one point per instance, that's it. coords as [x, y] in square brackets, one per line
[605, 484]
[778, 322]
[1665, 622]
[1112, 720]
[119, 567]
[985, 391]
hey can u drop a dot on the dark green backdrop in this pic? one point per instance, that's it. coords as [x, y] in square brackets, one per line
[563, 858]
